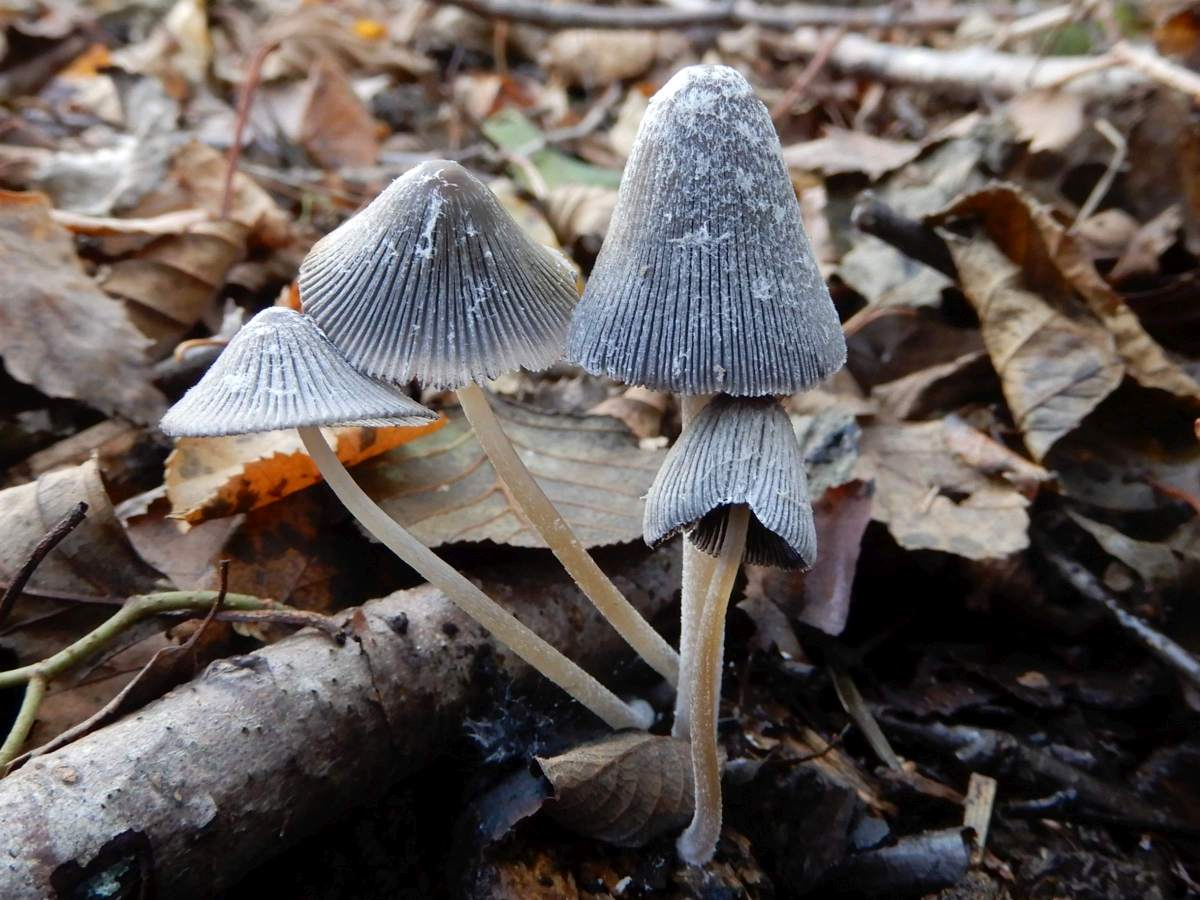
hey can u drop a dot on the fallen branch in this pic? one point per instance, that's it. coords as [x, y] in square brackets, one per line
[263, 749]
[1157, 69]
[972, 69]
[723, 15]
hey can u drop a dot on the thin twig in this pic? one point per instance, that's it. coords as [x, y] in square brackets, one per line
[818, 61]
[1158, 69]
[720, 14]
[1157, 643]
[855, 707]
[912, 238]
[1120, 148]
[52, 538]
[135, 610]
[249, 87]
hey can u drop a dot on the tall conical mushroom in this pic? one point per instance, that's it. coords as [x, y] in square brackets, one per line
[706, 281]
[281, 371]
[435, 281]
[735, 481]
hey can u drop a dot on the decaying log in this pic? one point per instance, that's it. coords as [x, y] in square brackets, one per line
[263, 749]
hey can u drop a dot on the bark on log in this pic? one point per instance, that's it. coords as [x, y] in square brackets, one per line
[261, 750]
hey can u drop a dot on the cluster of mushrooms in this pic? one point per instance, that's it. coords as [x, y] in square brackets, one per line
[706, 286]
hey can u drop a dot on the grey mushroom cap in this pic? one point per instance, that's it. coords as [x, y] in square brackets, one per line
[736, 451]
[706, 281]
[435, 281]
[280, 371]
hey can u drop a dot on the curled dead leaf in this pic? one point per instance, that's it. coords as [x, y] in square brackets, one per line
[208, 478]
[443, 489]
[624, 789]
[1054, 368]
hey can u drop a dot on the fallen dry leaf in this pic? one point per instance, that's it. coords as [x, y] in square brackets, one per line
[335, 127]
[595, 56]
[171, 283]
[443, 489]
[930, 499]
[58, 331]
[1148, 243]
[209, 478]
[1054, 369]
[624, 789]
[925, 393]
[841, 517]
[841, 151]
[1055, 265]
[1047, 119]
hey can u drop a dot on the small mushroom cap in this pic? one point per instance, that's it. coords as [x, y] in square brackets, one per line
[706, 281]
[280, 371]
[435, 281]
[736, 452]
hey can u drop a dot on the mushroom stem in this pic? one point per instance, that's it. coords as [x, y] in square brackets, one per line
[697, 576]
[535, 507]
[699, 841]
[476, 604]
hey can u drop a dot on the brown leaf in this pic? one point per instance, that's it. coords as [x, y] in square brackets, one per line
[58, 331]
[842, 150]
[641, 409]
[931, 499]
[1056, 266]
[1054, 369]
[335, 127]
[1047, 119]
[597, 57]
[443, 488]
[209, 478]
[170, 284]
[1148, 243]
[624, 789]
[949, 385]
[841, 517]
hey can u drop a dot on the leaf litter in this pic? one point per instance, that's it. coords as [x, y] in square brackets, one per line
[1022, 388]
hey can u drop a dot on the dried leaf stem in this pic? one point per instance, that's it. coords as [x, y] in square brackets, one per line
[535, 507]
[699, 841]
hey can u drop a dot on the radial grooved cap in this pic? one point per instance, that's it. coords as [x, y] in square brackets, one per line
[280, 371]
[706, 281]
[736, 452]
[435, 281]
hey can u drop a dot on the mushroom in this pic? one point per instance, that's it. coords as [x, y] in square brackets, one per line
[281, 371]
[706, 281]
[434, 281]
[735, 482]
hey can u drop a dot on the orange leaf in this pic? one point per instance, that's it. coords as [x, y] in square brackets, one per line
[207, 478]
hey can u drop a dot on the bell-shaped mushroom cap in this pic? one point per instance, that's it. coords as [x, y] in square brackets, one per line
[280, 371]
[736, 451]
[706, 281]
[435, 281]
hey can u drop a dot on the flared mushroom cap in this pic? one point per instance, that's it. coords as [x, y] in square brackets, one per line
[435, 281]
[736, 451]
[280, 371]
[706, 281]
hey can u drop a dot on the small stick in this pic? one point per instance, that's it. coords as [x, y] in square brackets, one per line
[249, 87]
[852, 701]
[1159, 645]
[1158, 69]
[912, 238]
[819, 59]
[1120, 148]
[977, 812]
[53, 537]
[35, 692]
